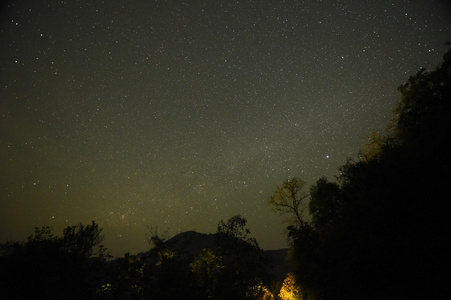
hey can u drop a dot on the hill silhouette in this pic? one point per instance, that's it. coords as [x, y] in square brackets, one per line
[191, 243]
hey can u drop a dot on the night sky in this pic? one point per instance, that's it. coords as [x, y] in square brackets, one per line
[177, 114]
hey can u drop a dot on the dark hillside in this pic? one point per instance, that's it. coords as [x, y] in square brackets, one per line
[191, 243]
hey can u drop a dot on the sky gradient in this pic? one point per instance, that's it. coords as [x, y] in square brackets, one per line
[177, 114]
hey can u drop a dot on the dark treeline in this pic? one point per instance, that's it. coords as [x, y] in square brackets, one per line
[77, 266]
[380, 231]
[50, 267]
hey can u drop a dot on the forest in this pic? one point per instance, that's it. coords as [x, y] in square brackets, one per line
[380, 230]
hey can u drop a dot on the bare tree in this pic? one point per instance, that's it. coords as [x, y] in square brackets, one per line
[288, 200]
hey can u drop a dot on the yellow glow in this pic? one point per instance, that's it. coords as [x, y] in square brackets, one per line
[290, 290]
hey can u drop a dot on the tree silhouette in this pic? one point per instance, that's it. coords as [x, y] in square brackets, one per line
[85, 241]
[289, 201]
[50, 267]
[380, 232]
[207, 269]
[325, 203]
[244, 266]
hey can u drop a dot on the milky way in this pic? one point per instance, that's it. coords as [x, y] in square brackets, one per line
[177, 114]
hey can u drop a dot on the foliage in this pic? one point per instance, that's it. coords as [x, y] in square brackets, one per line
[50, 267]
[373, 149]
[288, 200]
[381, 229]
[85, 241]
[235, 231]
[325, 203]
[233, 270]
[290, 289]
[167, 271]
[259, 291]
[127, 279]
[207, 269]
[244, 266]
[162, 249]
[75, 266]
[43, 233]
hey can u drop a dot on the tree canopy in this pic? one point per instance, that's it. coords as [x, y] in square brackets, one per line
[380, 231]
[52, 267]
[77, 266]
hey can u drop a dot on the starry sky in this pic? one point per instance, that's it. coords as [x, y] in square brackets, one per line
[177, 114]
